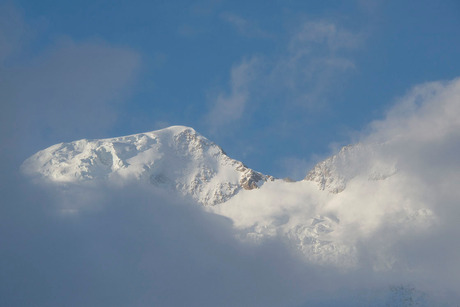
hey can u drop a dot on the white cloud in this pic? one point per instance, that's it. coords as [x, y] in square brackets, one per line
[428, 113]
[72, 90]
[137, 247]
[244, 26]
[324, 33]
[142, 248]
[317, 58]
[230, 107]
[301, 77]
[398, 213]
[12, 31]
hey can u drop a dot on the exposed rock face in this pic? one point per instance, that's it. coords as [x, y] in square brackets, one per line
[177, 158]
[251, 179]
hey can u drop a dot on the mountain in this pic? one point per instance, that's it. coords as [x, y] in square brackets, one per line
[333, 173]
[342, 201]
[176, 158]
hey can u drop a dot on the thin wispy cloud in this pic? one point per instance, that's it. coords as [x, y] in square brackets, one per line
[325, 33]
[316, 58]
[70, 90]
[13, 31]
[244, 26]
[230, 107]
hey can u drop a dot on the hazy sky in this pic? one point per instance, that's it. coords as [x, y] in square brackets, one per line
[279, 84]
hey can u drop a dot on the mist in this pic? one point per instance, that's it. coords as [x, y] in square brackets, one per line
[100, 244]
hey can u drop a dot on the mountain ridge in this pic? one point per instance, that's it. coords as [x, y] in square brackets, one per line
[176, 157]
[108, 159]
[315, 215]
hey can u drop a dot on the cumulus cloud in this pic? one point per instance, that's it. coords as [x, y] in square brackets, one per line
[396, 216]
[422, 134]
[427, 113]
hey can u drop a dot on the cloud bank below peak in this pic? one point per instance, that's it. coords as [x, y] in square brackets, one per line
[398, 208]
[132, 246]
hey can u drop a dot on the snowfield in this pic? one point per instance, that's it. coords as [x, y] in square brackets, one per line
[343, 201]
[175, 158]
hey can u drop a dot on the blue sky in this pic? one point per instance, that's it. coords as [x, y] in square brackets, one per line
[279, 85]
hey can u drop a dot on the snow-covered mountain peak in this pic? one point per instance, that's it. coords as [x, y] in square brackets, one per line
[316, 215]
[177, 158]
[368, 160]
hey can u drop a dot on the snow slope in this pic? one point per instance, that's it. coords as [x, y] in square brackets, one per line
[333, 173]
[175, 158]
[344, 200]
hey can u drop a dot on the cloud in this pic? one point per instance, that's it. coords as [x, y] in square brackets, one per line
[137, 246]
[422, 132]
[12, 31]
[324, 33]
[131, 246]
[230, 107]
[244, 26]
[302, 77]
[396, 218]
[69, 90]
[317, 58]
[427, 113]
